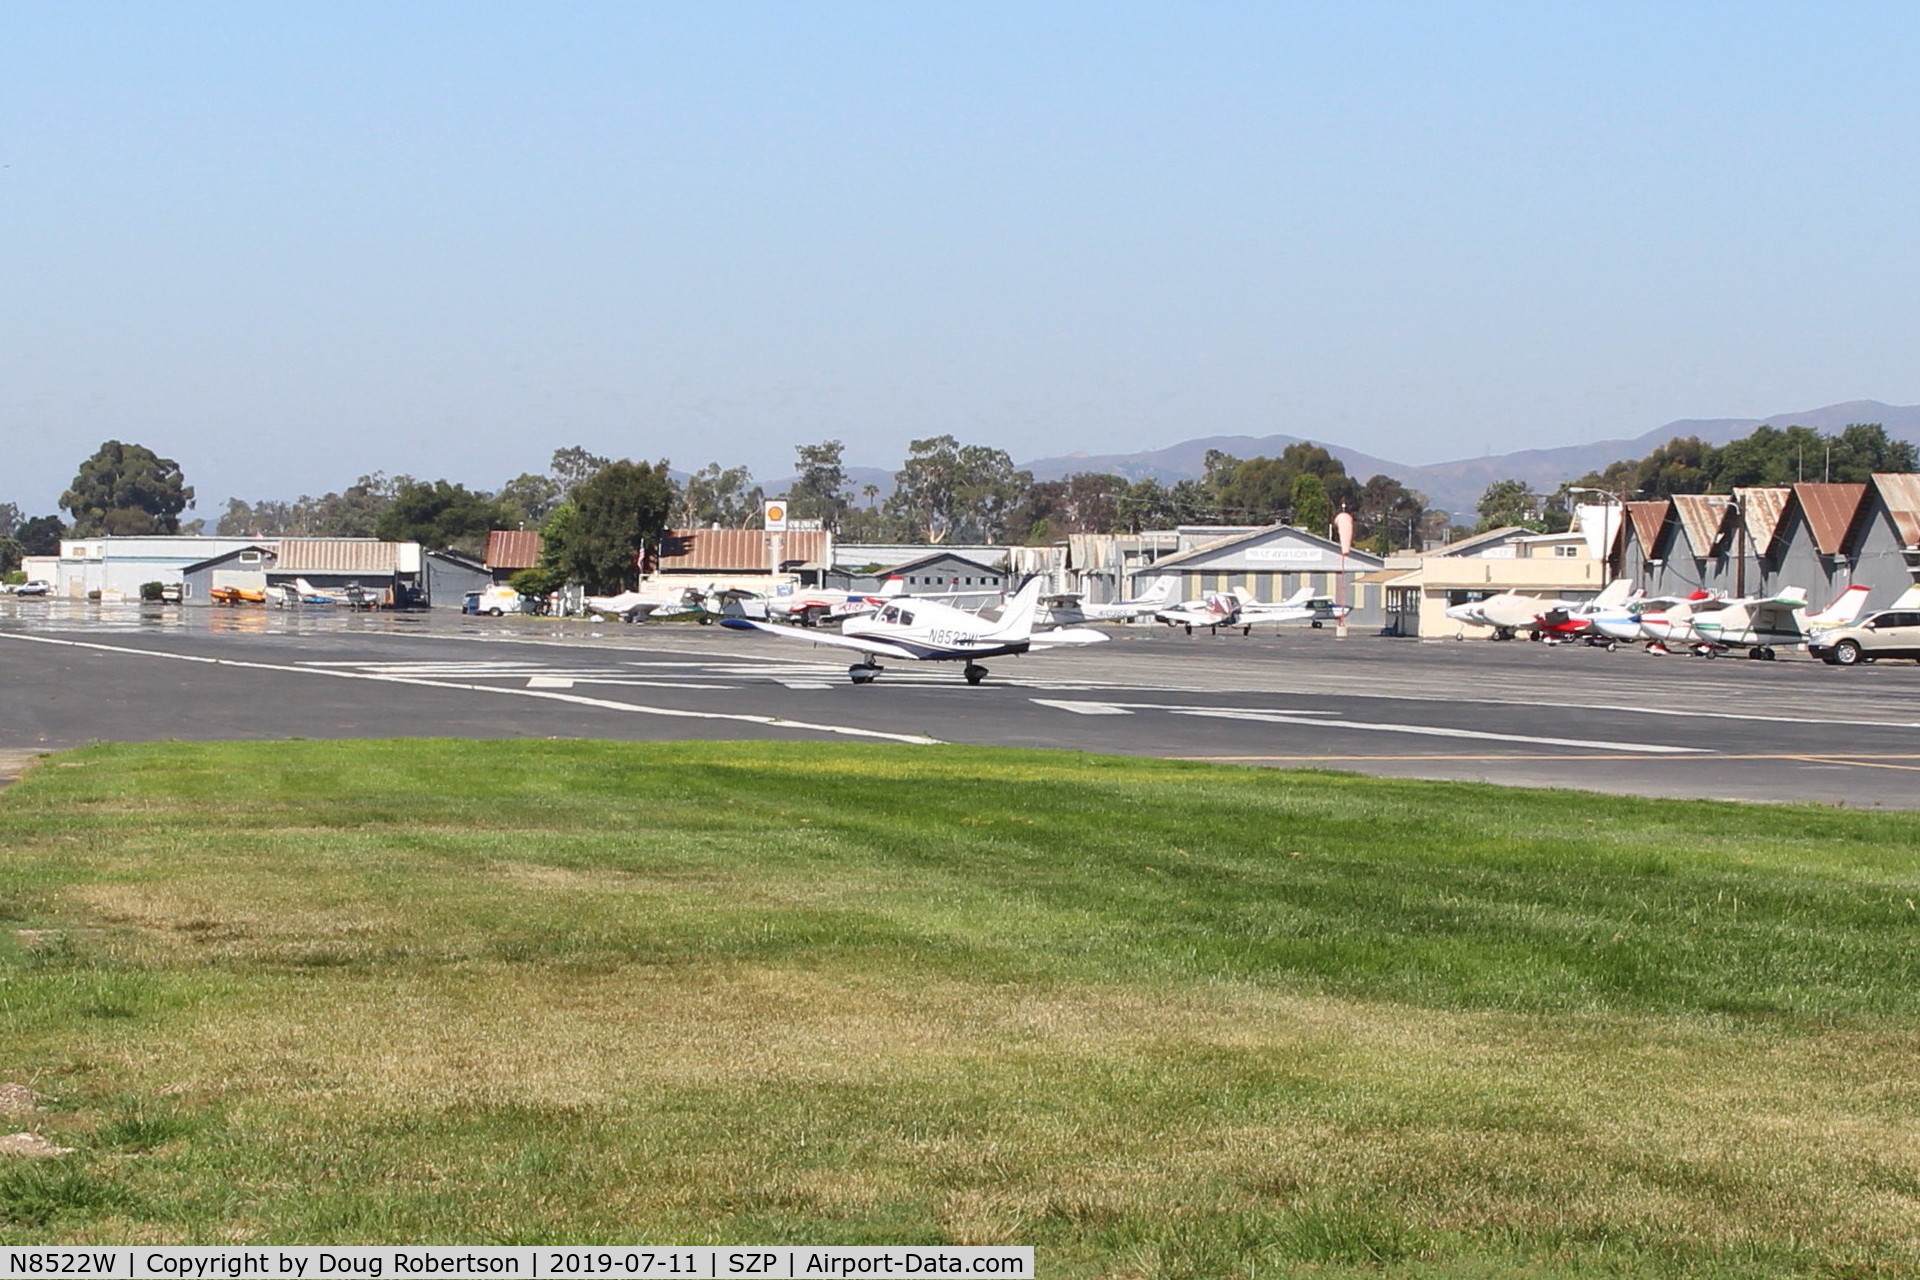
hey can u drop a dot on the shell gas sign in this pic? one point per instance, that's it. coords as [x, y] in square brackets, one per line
[776, 513]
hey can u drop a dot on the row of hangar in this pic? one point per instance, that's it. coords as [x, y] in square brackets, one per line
[1819, 537]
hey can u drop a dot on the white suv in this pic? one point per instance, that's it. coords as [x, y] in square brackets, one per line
[1894, 633]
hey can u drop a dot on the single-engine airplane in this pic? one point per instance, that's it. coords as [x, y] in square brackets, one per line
[1216, 610]
[928, 631]
[1756, 623]
[1301, 606]
[1069, 608]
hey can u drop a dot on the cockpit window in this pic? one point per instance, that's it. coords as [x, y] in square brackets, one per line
[906, 619]
[889, 614]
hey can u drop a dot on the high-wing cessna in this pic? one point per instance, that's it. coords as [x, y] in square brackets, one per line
[1069, 608]
[928, 631]
[1629, 623]
[1301, 606]
[638, 606]
[1216, 610]
[303, 592]
[1756, 623]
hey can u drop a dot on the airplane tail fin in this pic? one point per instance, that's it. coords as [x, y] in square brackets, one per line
[1909, 599]
[1160, 592]
[894, 586]
[1016, 620]
[1244, 596]
[1617, 593]
[1847, 606]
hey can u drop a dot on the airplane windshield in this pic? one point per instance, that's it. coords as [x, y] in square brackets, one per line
[889, 614]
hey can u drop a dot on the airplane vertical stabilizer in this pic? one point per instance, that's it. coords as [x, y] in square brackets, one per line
[1016, 621]
[1616, 594]
[1847, 606]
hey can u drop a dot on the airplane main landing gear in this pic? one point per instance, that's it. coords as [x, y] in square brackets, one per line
[974, 673]
[864, 672]
[1763, 652]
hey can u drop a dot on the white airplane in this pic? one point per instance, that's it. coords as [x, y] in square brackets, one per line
[812, 607]
[1301, 606]
[304, 592]
[1214, 611]
[928, 631]
[1628, 623]
[638, 606]
[1755, 623]
[1510, 612]
[1068, 608]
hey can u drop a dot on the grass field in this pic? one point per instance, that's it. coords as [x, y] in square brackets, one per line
[1155, 1019]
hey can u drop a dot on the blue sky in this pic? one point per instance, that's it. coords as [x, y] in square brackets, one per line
[287, 244]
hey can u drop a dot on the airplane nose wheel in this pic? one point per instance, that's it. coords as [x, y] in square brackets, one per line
[975, 673]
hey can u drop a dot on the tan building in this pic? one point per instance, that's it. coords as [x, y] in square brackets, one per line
[1420, 589]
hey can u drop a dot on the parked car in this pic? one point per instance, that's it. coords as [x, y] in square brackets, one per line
[32, 589]
[1892, 633]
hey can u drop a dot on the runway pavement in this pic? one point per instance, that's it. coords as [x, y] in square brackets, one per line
[1520, 713]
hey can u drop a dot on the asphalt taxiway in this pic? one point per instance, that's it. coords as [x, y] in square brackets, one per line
[1518, 713]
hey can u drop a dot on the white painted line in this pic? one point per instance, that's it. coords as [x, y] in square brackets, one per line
[605, 704]
[548, 682]
[1322, 720]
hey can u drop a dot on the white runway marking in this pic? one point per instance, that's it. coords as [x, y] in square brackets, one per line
[605, 704]
[1321, 720]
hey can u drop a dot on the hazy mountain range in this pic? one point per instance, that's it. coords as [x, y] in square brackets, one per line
[1457, 486]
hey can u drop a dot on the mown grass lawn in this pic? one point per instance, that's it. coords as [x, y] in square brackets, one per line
[1156, 1019]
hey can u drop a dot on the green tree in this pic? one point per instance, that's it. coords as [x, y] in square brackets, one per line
[1389, 513]
[719, 496]
[439, 514]
[40, 536]
[126, 489]
[1505, 502]
[818, 492]
[947, 490]
[10, 518]
[354, 512]
[608, 523]
[1312, 510]
[573, 466]
[528, 500]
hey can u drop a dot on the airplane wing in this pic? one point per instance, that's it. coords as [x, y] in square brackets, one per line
[863, 644]
[1068, 635]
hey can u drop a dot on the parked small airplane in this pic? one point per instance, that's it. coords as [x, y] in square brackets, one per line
[637, 606]
[1628, 623]
[1216, 610]
[812, 607]
[1301, 606]
[237, 596]
[302, 592]
[1510, 612]
[1756, 623]
[1069, 608]
[928, 631]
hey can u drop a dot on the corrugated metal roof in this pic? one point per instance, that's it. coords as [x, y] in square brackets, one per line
[1647, 519]
[513, 549]
[1831, 509]
[738, 550]
[1468, 545]
[1901, 492]
[1761, 510]
[337, 555]
[1702, 516]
